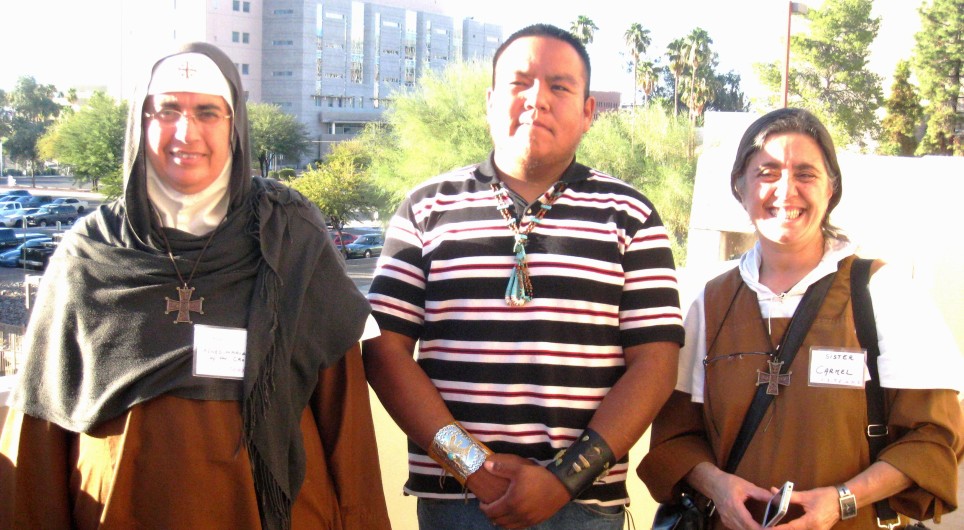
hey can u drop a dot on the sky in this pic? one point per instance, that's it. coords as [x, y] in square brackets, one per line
[69, 43]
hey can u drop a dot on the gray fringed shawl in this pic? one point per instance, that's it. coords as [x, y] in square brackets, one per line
[99, 342]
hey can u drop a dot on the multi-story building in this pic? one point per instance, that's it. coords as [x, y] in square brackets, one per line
[334, 64]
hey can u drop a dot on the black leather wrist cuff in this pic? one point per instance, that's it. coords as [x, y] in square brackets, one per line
[587, 460]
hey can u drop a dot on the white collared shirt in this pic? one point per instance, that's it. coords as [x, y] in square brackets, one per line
[917, 349]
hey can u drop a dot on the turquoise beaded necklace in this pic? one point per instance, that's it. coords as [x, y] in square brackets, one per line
[519, 290]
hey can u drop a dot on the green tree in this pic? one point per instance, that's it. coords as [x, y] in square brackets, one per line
[661, 164]
[904, 115]
[4, 115]
[729, 97]
[676, 54]
[698, 56]
[583, 28]
[275, 134]
[647, 76]
[638, 40]
[939, 65]
[829, 74]
[91, 142]
[438, 126]
[341, 185]
[32, 111]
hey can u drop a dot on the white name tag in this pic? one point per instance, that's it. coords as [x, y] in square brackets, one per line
[840, 367]
[219, 352]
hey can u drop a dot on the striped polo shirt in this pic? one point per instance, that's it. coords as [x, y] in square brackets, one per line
[525, 379]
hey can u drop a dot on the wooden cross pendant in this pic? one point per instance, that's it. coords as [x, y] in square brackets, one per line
[773, 378]
[184, 305]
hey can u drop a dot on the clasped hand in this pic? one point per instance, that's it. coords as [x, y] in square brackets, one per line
[515, 492]
[730, 494]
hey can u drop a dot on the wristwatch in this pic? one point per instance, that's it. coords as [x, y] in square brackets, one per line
[848, 503]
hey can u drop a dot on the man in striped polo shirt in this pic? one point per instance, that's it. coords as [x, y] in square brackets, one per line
[543, 298]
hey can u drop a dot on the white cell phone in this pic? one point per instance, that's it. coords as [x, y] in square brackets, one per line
[777, 507]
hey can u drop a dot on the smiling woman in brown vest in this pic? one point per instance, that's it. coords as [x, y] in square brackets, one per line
[813, 430]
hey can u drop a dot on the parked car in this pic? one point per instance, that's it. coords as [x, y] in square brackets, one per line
[79, 205]
[365, 246]
[10, 238]
[37, 257]
[344, 237]
[11, 213]
[14, 195]
[12, 257]
[35, 201]
[51, 215]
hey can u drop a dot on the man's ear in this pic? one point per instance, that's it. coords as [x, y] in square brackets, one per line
[589, 112]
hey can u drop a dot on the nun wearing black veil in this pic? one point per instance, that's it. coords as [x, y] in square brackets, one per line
[192, 359]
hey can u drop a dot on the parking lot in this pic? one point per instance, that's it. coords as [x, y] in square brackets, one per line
[359, 270]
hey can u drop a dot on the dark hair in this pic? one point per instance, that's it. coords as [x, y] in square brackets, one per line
[547, 30]
[790, 121]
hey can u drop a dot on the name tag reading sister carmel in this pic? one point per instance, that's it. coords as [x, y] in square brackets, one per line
[219, 352]
[840, 367]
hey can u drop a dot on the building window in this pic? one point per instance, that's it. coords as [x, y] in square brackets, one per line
[244, 69]
[348, 128]
[235, 36]
[246, 7]
[281, 73]
[284, 11]
[236, 5]
[245, 38]
[356, 72]
[282, 43]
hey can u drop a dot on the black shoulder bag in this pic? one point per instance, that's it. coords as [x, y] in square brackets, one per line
[877, 429]
[690, 511]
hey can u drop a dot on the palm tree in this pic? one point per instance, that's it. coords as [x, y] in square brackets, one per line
[638, 40]
[583, 28]
[677, 63]
[647, 75]
[697, 53]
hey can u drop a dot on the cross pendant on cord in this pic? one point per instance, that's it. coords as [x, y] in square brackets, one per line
[184, 305]
[773, 378]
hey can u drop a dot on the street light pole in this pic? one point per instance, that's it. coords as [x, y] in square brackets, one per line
[792, 7]
[786, 62]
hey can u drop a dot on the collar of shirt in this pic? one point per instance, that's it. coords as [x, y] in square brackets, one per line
[774, 305]
[486, 174]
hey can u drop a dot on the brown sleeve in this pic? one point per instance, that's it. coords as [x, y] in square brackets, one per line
[677, 443]
[344, 417]
[34, 473]
[929, 445]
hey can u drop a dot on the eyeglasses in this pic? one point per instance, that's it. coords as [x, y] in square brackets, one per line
[172, 116]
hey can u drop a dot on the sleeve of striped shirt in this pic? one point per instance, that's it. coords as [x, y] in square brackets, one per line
[397, 292]
[650, 308]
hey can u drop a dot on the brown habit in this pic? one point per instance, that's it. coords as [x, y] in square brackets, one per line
[812, 436]
[162, 464]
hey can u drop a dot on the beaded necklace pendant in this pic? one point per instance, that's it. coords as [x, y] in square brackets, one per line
[519, 289]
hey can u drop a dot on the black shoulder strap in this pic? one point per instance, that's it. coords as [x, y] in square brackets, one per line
[866, 325]
[799, 326]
